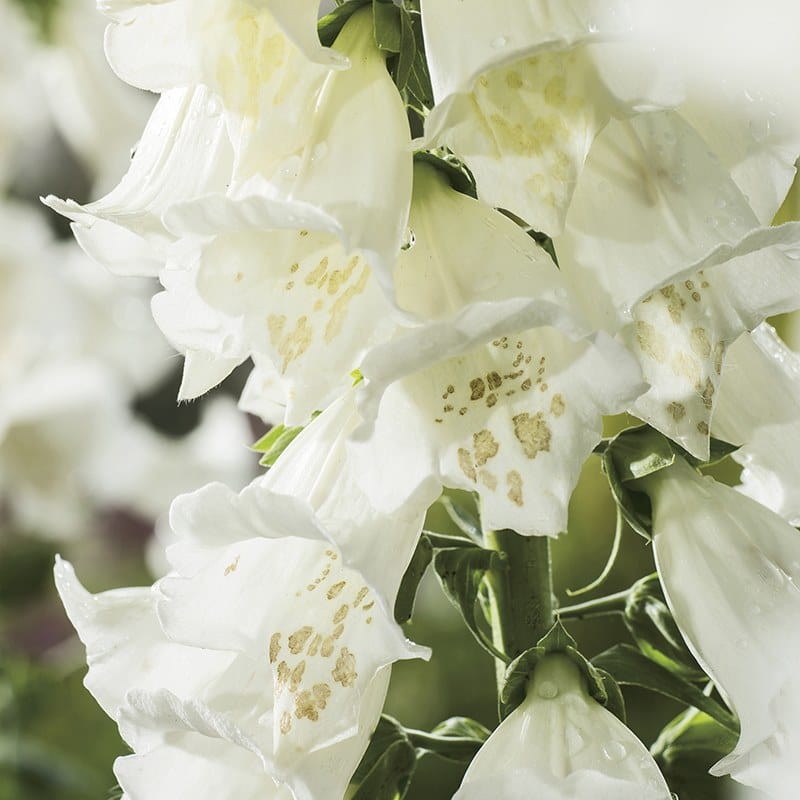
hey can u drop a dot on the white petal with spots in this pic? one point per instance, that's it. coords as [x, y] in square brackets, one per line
[498, 402]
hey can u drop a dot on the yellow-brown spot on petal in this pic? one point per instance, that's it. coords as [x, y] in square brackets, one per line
[303, 233]
[696, 297]
[685, 366]
[338, 312]
[337, 631]
[513, 80]
[491, 400]
[286, 722]
[462, 411]
[307, 704]
[341, 614]
[282, 676]
[650, 341]
[465, 462]
[488, 479]
[296, 677]
[294, 268]
[702, 427]
[238, 277]
[326, 650]
[478, 388]
[318, 274]
[689, 285]
[368, 606]
[274, 647]
[533, 433]
[313, 648]
[700, 343]
[362, 593]
[707, 394]
[525, 385]
[321, 692]
[676, 410]
[485, 446]
[335, 590]
[289, 286]
[557, 405]
[494, 380]
[232, 566]
[297, 641]
[514, 481]
[345, 670]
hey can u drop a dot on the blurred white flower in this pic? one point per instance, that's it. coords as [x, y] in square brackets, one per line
[662, 248]
[560, 744]
[729, 568]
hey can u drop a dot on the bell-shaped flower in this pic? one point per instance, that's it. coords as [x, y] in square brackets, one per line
[729, 568]
[299, 682]
[560, 744]
[344, 168]
[195, 709]
[518, 97]
[662, 248]
[503, 394]
[759, 408]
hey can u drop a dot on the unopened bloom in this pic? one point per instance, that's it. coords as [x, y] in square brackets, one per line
[560, 744]
[729, 568]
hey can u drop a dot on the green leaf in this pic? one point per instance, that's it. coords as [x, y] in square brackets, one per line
[456, 739]
[329, 27]
[718, 449]
[408, 51]
[461, 572]
[687, 747]
[276, 440]
[650, 623]
[386, 24]
[386, 769]
[455, 170]
[462, 508]
[404, 604]
[518, 672]
[616, 702]
[628, 666]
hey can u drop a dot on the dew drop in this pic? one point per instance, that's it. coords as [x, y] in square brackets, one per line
[614, 751]
[500, 41]
[213, 107]
[320, 151]
[547, 690]
[759, 129]
[575, 742]
[410, 240]
[592, 25]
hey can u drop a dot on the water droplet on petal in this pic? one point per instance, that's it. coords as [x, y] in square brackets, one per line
[319, 151]
[500, 41]
[759, 129]
[614, 751]
[592, 25]
[575, 742]
[547, 690]
[409, 241]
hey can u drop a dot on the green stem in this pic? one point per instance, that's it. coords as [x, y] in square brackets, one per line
[521, 593]
[453, 748]
[611, 604]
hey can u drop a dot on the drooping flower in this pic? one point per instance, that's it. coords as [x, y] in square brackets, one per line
[759, 408]
[560, 744]
[662, 248]
[729, 568]
[503, 393]
[271, 639]
[523, 101]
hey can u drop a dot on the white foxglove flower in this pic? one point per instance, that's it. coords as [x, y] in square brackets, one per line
[196, 709]
[518, 96]
[560, 744]
[662, 248]
[503, 394]
[759, 408]
[729, 568]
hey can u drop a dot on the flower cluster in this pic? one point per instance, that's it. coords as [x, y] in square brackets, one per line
[464, 278]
